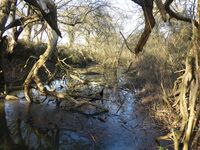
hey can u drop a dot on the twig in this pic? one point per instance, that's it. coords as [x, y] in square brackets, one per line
[178, 71]
[27, 61]
[125, 41]
[165, 96]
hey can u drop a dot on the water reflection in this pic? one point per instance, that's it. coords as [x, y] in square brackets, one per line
[47, 127]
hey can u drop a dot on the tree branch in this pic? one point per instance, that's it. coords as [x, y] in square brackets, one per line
[50, 16]
[23, 21]
[176, 15]
[126, 43]
[147, 7]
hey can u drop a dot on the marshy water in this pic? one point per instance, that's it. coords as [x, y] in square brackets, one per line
[45, 126]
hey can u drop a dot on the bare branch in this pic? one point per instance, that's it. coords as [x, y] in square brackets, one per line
[161, 9]
[23, 21]
[147, 7]
[126, 43]
[49, 15]
[176, 15]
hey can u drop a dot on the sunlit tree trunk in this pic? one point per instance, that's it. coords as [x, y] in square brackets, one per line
[12, 38]
[71, 34]
[189, 88]
[4, 13]
[13, 14]
[192, 79]
[28, 28]
[33, 74]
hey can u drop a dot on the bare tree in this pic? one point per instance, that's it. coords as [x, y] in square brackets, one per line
[49, 12]
[45, 10]
[164, 8]
[187, 88]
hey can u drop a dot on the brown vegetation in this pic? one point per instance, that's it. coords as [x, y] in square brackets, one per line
[171, 57]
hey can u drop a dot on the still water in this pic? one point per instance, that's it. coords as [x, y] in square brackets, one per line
[45, 126]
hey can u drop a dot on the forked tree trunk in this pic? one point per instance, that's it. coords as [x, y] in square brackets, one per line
[33, 74]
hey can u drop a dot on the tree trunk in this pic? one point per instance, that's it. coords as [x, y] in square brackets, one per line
[33, 74]
[4, 13]
[5, 6]
[1, 68]
[189, 104]
[193, 105]
[189, 88]
[13, 38]
[27, 30]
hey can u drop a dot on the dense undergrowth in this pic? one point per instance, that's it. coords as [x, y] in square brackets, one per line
[152, 73]
[157, 70]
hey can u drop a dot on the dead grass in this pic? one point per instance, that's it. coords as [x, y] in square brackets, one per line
[162, 58]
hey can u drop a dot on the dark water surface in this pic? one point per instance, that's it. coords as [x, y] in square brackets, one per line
[44, 126]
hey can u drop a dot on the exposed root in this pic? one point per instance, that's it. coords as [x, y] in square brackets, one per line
[186, 94]
[165, 137]
[196, 140]
[33, 74]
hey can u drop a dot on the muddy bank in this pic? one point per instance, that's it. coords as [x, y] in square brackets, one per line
[15, 66]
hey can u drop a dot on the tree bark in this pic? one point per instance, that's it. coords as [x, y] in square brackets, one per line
[1, 66]
[5, 6]
[33, 74]
[27, 30]
[161, 9]
[149, 25]
[189, 87]
[147, 7]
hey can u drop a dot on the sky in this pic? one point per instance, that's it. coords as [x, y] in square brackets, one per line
[132, 12]
[125, 13]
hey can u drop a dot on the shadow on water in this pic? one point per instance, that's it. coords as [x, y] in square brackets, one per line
[44, 126]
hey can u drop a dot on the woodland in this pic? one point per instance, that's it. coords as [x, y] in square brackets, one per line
[71, 43]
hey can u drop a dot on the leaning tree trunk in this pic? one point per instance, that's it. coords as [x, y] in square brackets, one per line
[33, 75]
